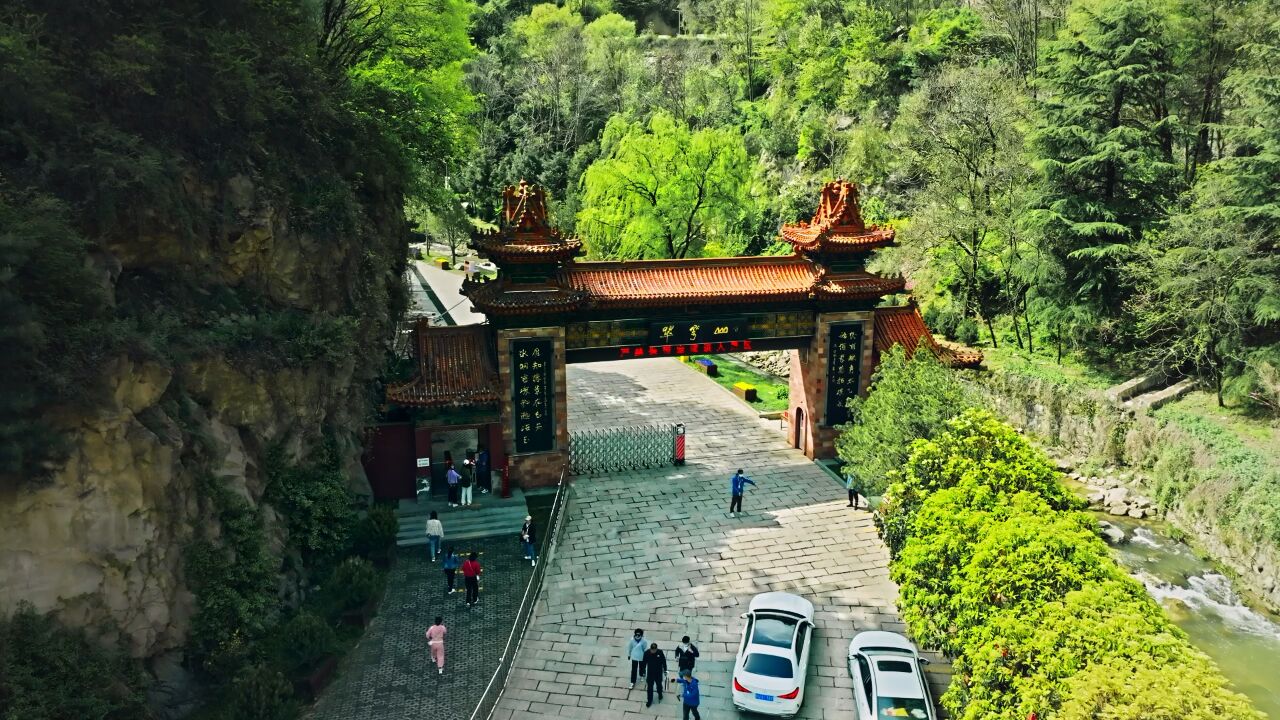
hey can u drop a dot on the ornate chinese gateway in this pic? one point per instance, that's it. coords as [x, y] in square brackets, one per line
[546, 308]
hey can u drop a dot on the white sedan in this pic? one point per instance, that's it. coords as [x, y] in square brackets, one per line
[768, 676]
[888, 678]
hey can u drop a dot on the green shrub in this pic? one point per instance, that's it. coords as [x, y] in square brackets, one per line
[234, 582]
[376, 532]
[967, 331]
[51, 672]
[977, 451]
[302, 642]
[908, 400]
[314, 500]
[353, 584]
[998, 570]
[260, 693]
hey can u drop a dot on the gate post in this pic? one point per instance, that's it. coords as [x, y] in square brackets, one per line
[678, 454]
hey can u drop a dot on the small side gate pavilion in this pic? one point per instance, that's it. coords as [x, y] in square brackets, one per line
[546, 309]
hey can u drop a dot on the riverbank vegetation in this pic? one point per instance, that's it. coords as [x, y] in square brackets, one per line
[999, 569]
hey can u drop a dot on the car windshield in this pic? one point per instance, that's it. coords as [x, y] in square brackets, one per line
[775, 631]
[767, 665]
[888, 707]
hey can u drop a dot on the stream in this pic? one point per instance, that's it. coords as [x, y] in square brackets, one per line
[1244, 642]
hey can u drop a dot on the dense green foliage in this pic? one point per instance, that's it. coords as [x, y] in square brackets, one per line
[908, 400]
[1094, 176]
[48, 672]
[998, 569]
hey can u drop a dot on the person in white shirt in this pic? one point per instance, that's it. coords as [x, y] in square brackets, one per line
[435, 533]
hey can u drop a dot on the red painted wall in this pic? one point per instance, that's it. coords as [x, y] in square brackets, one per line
[389, 461]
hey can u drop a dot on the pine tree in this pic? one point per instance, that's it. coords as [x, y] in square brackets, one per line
[1104, 148]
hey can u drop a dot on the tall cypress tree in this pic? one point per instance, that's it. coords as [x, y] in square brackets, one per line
[1104, 149]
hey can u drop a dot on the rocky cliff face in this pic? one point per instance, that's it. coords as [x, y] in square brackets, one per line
[101, 542]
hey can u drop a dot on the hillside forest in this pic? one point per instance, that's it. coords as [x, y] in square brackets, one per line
[1096, 178]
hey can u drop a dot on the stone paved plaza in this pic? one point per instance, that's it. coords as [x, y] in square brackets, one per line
[390, 676]
[657, 550]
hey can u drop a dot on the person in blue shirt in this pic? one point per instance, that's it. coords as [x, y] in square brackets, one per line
[737, 486]
[689, 694]
[451, 564]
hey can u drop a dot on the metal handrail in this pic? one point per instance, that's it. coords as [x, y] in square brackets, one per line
[498, 682]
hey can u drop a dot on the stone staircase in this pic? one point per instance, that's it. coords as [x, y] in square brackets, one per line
[489, 515]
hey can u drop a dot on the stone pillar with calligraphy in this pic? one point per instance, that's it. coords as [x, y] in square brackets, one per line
[535, 424]
[835, 367]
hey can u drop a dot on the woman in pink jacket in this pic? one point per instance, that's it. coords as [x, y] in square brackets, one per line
[435, 641]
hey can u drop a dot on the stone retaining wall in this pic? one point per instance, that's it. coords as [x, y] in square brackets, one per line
[1083, 427]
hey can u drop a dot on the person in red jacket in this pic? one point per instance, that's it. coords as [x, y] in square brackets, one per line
[471, 577]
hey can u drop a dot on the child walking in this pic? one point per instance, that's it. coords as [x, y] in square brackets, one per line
[435, 641]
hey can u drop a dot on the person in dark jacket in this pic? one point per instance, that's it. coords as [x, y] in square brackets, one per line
[686, 654]
[689, 694]
[655, 672]
[529, 540]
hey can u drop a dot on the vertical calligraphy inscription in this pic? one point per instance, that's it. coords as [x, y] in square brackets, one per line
[533, 394]
[844, 366]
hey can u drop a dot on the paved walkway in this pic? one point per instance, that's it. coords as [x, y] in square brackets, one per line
[447, 287]
[657, 550]
[390, 676]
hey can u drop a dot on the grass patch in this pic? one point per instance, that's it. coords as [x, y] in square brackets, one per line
[1009, 359]
[773, 393]
[1257, 433]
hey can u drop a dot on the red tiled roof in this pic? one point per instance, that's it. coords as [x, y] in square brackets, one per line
[504, 297]
[658, 283]
[455, 367]
[904, 326]
[509, 247]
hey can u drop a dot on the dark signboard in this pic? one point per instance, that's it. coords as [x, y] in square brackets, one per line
[533, 395]
[844, 366]
[686, 332]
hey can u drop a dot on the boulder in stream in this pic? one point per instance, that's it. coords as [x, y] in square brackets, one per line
[1110, 532]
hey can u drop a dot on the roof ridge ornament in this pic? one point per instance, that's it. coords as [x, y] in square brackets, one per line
[838, 207]
[837, 228]
[524, 209]
[526, 235]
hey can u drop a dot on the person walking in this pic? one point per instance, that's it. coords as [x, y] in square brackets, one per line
[452, 477]
[686, 654]
[435, 642]
[655, 670]
[689, 694]
[635, 653]
[529, 540]
[854, 486]
[468, 480]
[471, 577]
[435, 533]
[451, 564]
[483, 476]
[737, 486]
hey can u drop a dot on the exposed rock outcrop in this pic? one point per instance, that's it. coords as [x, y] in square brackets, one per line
[101, 542]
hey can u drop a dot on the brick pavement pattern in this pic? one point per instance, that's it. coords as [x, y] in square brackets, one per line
[657, 550]
[389, 675]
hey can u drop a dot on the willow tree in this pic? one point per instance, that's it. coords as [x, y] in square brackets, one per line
[661, 190]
